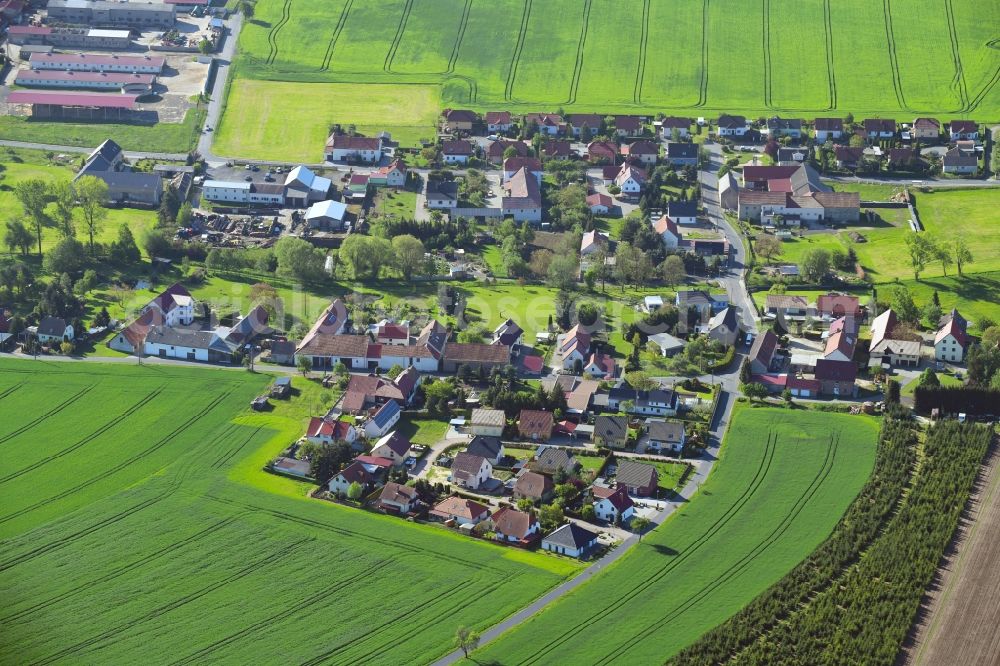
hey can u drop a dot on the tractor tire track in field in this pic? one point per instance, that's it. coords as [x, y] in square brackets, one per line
[163, 441]
[958, 83]
[282, 515]
[339, 28]
[155, 614]
[11, 390]
[763, 469]
[581, 45]
[86, 440]
[121, 571]
[890, 40]
[299, 606]
[703, 86]
[232, 452]
[450, 611]
[640, 68]
[737, 567]
[52, 412]
[400, 29]
[65, 541]
[765, 37]
[831, 73]
[515, 59]
[272, 36]
[461, 36]
[987, 89]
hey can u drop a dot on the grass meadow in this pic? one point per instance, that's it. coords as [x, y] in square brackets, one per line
[137, 525]
[779, 488]
[19, 165]
[863, 57]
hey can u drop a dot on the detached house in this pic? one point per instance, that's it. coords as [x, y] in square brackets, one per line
[487, 447]
[611, 431]
[462, 511]
[546, 123]
[762, 352]
[457, 152]
[778, 127]
[879, 128]
[628, 126]
[535, 425]
[470, 471]
[459, 120]
[665, 435]
[393, 175]
[522, 198]
[958, 161]
[343, 148]
[836, 377]
[602, 152]
[570, 539]
[951, 341]
[668, 231]
[513, 526]
[732, 125]
[325, 431]
[512, 165]
[926, 128]
[613, 506]
[658, 402]
[671, 123]
[496, 149]
[638, 478]
[885, 349]
[574, 347]
[960, 130]
[585, 125]
[356, 472]
[397, 498]
[683, 212]
[498, 121]
[54, 329]
[644, 152]
[384, 418]
[533, 486]
[508, 334]
[600, 204]
[828, 129]
[682, 154]
[631, 179]
[393, 447]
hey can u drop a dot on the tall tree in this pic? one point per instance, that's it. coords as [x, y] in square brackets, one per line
[816, 264]
[961, 252]
[33, 195]
[65, 200]
[92, 197]
[18, 237]
[409, 255]
[768, 246]
[673, 270]
[466, 639]
[921, 250]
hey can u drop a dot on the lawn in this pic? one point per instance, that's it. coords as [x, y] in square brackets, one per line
[530, 56]
[779, 488]
[20, 165]
[946, 380]
[422, 431]
[290, 121]
[158, 138]
[173, 521]
[670, 474]
[970, 214]
[401, 203]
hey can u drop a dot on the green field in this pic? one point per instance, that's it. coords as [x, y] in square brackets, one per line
[779, 488]
[865, 57]
[138, 526]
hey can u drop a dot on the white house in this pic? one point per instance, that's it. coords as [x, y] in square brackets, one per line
[323, 431]
[828, 129]
[630, 179]
[382, 421]
[342, 148]
[732, 125]
[226, 191]
[470, 471]
[683, 212]
[613, 506]
[54, 329]
[951, 340]
[570, 539]
[512, 526]
[668, 231]
[457, 152]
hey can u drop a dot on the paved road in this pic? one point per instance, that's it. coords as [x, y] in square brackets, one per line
[223, 63]
[914, 182]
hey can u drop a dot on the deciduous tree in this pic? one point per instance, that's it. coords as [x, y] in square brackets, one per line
[91, 198]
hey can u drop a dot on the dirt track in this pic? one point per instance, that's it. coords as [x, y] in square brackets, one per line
[961, 612]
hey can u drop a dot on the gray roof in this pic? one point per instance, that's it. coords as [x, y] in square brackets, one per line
[682, 209]
[194, 338]
[632, 473]
[131, 181]
[487, 447]
[572, 536]
[725, 318]
[551, 459]
[677, 149]
[610, 427]
[54, 326]
[665, 431]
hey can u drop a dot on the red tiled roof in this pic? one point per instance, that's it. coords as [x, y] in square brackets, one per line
[497, 117]
[458, 506]
[665, 224]
[535, 421]
[598, 199]
[533, 364]
[95, 59]
[512, 523]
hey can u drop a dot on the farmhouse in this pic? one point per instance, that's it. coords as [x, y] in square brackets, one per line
[522, 198]
[123, 81]
[470, 471]
[790, 191]
[613, 506]
[638, 478]
[343, 148]
[138, 15]
[513, 526]
[836, 377]
[951, 340]
[487, 422]
[884, 349]
[476, 356]
[462, 511]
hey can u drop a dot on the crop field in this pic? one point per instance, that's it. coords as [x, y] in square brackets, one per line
[779, 488]
[136, 524]
[863, 56]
